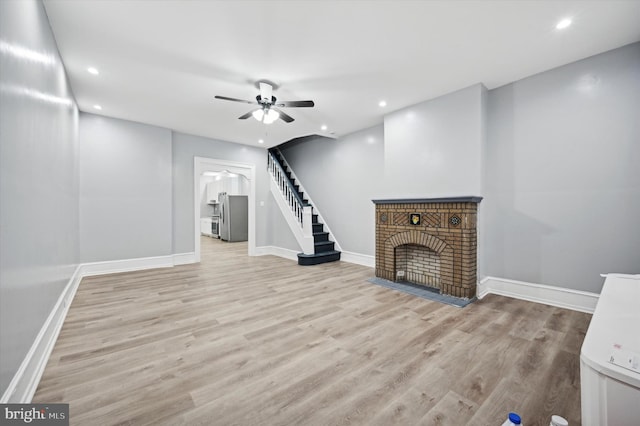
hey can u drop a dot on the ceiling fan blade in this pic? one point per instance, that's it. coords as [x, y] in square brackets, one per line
[226, 98]
[265, 90]
[247, 115]
[296, 104]
[285, 117]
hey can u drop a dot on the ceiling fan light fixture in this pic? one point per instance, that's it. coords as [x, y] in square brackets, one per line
[258, 114]
[266, 116]
[271, 116]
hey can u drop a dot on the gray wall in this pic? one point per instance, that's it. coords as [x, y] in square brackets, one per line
[185, 148]
[434, 148]
[562, 189]
[38, 180]
[125, 189]
[342, 176]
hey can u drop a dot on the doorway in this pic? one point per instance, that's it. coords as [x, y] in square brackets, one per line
[211, 165]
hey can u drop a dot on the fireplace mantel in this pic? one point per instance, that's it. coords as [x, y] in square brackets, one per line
[464, 199]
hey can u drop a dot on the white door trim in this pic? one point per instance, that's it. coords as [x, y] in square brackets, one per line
[203, 164]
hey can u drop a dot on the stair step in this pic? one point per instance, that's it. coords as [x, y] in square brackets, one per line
[320, 237]
[318, 258]
[314, 218]
[318, 227]
[323, 246]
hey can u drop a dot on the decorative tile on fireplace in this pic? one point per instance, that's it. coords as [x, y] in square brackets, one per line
[439, 250]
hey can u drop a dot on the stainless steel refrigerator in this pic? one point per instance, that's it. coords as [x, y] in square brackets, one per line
[234, 217]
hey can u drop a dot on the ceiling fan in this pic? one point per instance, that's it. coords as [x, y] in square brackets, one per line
[267, 112]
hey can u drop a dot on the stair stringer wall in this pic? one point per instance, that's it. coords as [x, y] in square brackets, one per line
[305, 242]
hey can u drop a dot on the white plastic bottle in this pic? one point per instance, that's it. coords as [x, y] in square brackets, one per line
[513, 420]
[558, 421]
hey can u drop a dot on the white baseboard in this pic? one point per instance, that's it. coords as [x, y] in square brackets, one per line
[277, 251]
[25, 382]
[125, 265]
[576, 300]
[345, 256]
[358, 259]
[184, 258]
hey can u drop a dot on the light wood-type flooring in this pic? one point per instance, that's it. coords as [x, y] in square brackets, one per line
[240, 340]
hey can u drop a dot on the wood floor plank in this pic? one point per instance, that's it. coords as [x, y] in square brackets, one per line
[417, 401]
[451, 410]
[260, 340]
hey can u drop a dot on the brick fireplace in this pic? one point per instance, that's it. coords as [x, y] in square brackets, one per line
[431, 242]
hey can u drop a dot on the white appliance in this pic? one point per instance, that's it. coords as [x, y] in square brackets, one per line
[205, 226]
[610, 356]
[234, 217]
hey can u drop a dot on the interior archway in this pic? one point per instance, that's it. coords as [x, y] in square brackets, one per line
[202, 165]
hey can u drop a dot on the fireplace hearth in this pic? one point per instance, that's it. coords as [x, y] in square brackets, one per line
[431, 242]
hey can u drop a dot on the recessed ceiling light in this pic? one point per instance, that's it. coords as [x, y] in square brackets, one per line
[382, 103]
[323, 127]
[98, 107]
[563, 24]
[93, 71]
[260, 141]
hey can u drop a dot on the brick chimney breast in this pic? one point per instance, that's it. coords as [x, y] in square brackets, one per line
[430, 242]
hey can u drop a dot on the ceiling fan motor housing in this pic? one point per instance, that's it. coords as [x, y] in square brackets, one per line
[266, 101]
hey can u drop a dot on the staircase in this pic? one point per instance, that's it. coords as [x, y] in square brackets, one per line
[309, 231]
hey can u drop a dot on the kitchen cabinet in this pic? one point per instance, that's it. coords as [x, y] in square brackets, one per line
[232, 186]
[205, 226]
[236, 185]
[213, 188]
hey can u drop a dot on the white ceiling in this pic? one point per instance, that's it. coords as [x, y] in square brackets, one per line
[162, 62]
